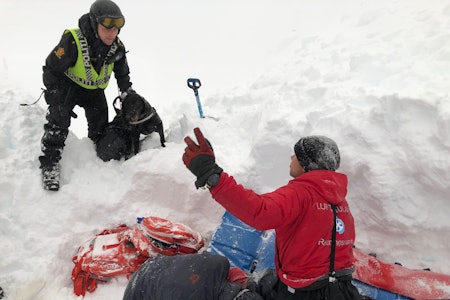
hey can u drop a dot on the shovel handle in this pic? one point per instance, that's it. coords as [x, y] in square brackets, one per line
[194, 83]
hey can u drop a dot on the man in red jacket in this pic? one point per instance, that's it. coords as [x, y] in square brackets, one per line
[312, 220]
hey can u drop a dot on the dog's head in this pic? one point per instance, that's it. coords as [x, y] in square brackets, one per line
[140, 115]
[135, 108]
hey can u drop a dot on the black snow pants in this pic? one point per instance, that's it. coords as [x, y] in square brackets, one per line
[341, 289]
[59, 113]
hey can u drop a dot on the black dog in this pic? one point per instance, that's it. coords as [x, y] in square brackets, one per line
[142, 117]
[122, 135]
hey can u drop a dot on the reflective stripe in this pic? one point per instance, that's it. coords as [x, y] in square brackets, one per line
[242, 292]
[83, 73]
[143, 120]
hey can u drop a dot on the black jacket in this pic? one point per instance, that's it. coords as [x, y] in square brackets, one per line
[188, 277]
[65, 54]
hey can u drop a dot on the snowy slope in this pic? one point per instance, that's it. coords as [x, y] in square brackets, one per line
[372, 76]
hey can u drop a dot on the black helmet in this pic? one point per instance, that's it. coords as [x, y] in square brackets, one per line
[102, 10]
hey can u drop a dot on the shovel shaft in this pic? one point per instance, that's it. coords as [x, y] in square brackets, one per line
[199, 105]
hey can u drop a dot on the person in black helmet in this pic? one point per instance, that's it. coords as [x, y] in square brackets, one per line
[76, 72]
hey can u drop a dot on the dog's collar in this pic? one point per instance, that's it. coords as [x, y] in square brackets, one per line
[144, 119]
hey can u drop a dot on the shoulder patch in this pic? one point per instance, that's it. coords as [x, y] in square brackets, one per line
[59, 52]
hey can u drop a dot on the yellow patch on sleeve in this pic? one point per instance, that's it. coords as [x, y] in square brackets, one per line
[59, 52]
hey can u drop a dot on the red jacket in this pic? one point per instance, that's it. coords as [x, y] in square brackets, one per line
[301, 214]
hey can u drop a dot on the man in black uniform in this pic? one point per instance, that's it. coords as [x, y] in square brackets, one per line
[76, 72]
[202, 276]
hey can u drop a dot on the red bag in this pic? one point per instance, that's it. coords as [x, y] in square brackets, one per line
[110, 253]
[122, 249]
[155, 236]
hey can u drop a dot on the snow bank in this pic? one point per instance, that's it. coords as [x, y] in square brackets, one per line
[374, 79]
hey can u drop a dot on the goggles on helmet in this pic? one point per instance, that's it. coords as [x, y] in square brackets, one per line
[110, 22]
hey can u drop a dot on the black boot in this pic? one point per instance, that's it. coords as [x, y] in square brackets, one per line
[50, 173]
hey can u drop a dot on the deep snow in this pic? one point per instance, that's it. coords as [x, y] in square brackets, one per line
[374, 76]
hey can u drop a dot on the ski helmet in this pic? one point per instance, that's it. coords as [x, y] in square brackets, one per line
[107, 13]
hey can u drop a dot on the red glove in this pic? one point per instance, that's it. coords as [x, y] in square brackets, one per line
[200, 159]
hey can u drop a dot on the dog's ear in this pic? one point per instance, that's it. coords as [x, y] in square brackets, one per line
[130, 97]
[136, 98]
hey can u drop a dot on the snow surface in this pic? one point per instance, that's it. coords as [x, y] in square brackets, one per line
[372, 75]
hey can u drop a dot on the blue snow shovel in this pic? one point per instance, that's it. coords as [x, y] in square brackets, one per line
[195, 84]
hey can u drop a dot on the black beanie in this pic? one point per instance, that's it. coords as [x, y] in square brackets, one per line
[317, 153]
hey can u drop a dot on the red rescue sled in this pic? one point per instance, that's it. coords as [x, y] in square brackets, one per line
[416, 284]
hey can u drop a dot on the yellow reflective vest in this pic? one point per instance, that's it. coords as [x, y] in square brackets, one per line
[83, 73]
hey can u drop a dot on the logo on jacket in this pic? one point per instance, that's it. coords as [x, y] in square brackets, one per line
[340, 226]
[194, 278]
[59, 52]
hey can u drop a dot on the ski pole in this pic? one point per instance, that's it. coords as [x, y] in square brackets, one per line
[195, 84]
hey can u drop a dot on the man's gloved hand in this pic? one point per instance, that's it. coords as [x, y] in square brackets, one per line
[200, 159]
[53, 95]
[129, 91]
[267, 284]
